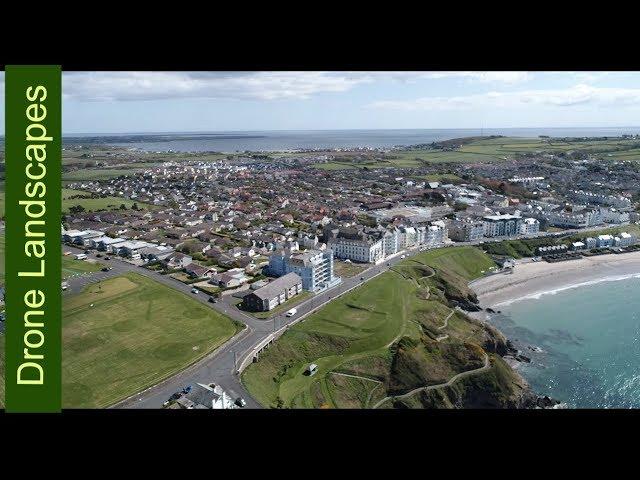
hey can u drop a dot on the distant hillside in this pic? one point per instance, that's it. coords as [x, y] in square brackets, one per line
[396, 342]
[458, 142]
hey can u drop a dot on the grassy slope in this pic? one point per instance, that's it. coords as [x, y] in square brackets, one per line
[385, 331]
[137, 332]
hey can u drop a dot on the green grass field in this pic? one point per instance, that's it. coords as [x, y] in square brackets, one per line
[98, 174]
[360, 333]
[136, 333]
[72, 267]
[94, 204]
[492, 150]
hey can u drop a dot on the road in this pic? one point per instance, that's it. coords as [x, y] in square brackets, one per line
[220, 366]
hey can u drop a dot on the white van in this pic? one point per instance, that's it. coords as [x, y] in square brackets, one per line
[291, 312]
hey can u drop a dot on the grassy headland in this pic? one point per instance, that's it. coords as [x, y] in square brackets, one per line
[398, 332]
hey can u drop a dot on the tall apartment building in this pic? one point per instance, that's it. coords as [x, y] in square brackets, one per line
[466, 230]
[602, 199]
[501, 225]
[581, 219]
[314, 267]
[391, 242]
[366, 249]
[529, 226]
[435, 234]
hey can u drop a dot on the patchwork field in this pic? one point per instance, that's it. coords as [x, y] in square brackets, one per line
[126, 333]
[98, 174]
[94, 204]
[492, 150]
[388, 337]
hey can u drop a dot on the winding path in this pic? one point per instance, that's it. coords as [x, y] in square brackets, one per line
[486, 366]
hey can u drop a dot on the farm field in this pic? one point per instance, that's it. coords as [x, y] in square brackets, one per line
[126, 333]
[98, 174]
[492, 150]
[94, 204]
[378, 339]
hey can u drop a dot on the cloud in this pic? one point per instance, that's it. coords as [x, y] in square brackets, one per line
[128, 86]
[484, 77]
[580, 94]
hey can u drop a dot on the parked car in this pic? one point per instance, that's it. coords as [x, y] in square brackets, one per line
[105, 269]
[241, 402]
[213, 300]
[194, 290]
[107, 258]
[98, 255]
[187, 389]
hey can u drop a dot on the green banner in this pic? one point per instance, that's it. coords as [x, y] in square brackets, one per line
[33, 124]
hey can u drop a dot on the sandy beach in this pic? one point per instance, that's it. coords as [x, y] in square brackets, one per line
[531, 280]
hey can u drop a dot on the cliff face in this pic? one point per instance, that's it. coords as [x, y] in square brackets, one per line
[419, 364]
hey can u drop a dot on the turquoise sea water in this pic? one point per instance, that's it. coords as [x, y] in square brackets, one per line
[590, 341]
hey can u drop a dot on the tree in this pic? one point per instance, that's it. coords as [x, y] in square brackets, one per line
[123, 206]
[75, 209]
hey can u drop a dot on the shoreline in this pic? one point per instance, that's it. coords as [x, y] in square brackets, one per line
[533, 280]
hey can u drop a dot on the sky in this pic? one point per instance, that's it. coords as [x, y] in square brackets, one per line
[140, 102]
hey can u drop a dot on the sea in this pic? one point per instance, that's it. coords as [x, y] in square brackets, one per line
[584, 342]
[281, 140]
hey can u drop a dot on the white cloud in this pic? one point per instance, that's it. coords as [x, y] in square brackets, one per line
[105, 86]
[580, 94]
[484, 77]
[127, 86]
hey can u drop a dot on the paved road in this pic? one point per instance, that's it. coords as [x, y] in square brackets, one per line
[220, 366]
